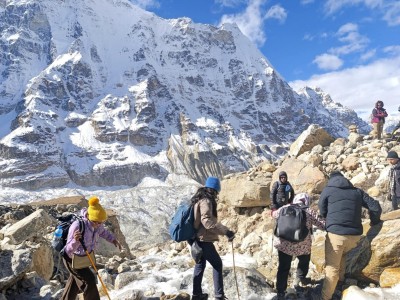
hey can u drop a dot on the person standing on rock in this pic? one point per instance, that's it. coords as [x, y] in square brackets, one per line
[282, 192]
[208, 229]
[83, 279]
[394, 179]
[378, 119]
[301, 250]
[341, 205]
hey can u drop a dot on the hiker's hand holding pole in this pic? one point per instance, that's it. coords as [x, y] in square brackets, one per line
[230, 235]
[77, 235]
[117, 244]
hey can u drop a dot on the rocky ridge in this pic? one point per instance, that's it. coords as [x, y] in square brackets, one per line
[314, 154]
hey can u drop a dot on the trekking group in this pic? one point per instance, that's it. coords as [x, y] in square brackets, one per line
[340, 209]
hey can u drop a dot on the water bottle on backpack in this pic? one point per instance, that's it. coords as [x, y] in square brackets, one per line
[57, 239]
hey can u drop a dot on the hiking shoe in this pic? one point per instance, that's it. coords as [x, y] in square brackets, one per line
[301, 281]
[279, 296]
[223, 297]
[200, 297]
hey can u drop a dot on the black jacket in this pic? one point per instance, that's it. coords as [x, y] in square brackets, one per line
[281, 194]
[341, 205]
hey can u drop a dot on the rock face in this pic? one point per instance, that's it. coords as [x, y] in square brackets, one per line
[244, 192]
[28, 227]
[313, 136]
[145, 98]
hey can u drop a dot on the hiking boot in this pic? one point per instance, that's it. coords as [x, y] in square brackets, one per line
[223, 297]
[304, 281]
[200, 297]
[279, 296]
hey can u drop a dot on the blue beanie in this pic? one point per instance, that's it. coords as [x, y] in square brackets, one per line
[213, 183]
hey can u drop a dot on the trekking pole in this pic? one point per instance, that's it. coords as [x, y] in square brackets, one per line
[234, 271]
[97, 272]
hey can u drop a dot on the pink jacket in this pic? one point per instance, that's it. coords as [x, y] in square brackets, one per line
[91, 237]
[303, 247]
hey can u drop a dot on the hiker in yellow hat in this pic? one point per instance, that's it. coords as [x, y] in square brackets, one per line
[83, 235]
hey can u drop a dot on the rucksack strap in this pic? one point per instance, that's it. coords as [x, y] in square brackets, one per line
[82, 231]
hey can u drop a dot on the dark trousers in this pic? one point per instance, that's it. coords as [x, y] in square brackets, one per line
[82, 280]
[284, 267]
[395, 202]
[211, 255]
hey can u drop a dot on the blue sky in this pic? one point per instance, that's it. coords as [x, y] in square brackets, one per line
[349, 48]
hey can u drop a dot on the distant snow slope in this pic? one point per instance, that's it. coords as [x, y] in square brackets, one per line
[103, 93]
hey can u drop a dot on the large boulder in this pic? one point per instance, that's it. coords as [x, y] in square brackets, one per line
[389, 277]
[314, 135]
[42, 261]
[377, 249]
[302, 176]
[28, 227]
[13, 266]
[241, 191]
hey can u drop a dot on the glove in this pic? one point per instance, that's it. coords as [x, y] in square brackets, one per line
[230, 235]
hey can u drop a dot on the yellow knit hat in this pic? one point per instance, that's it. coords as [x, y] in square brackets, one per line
[96, 212]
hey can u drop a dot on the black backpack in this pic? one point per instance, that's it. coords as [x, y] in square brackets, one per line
[65, 223]
[282, 193]
[291, 224]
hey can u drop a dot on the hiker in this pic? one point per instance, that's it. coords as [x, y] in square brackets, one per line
[282, 192]
[378, 119]
[341, 205]
[208, 229]
[83, 279]
[301, 250]
[394, 179]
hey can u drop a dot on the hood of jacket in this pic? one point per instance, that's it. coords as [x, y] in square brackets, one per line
[339, 181]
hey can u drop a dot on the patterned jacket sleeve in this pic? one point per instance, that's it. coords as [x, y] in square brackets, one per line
[316, 220]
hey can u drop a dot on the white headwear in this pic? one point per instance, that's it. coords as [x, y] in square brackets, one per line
[302, 199]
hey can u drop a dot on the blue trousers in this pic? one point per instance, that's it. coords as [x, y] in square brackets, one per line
[211, 255]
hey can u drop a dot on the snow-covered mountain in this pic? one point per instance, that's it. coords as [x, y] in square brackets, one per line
[103, 93]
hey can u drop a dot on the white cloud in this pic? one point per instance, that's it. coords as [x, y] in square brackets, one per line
[368, 55]
[389, 9]
[328, 62]
[394, 50]
[360, 87]
[276, 12]
[333, 6]
[349, 34]
[250, 21]
[392, 14]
